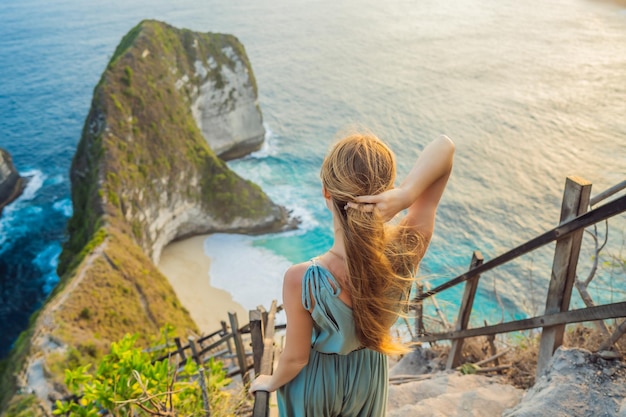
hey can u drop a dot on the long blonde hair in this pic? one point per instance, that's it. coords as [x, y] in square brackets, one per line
[380, 259]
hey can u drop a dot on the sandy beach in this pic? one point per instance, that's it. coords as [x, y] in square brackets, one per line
[186, 266]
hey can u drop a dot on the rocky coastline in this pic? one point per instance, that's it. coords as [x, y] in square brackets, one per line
[149, 169]
[11, 184]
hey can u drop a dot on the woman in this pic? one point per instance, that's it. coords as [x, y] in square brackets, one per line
[341, 305]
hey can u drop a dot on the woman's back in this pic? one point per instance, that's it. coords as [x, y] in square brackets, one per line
[333, 321]
[342, 378]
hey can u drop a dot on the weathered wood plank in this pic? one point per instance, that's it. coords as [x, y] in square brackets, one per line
[181, 350]
[268, 341]
[239, 348]
[419, 311]
[262, 398]
[454, 356]
[201, 377]
[575, 202]
[215, 344]
[603, 312]
[207, 337]
[607, 193]
[256, 333]
[224, 332]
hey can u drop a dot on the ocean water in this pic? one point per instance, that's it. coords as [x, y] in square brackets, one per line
[531, 92]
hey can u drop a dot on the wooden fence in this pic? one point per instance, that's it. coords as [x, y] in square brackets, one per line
[262, 326]
[225, 344]
[568, 236]
[228, 346]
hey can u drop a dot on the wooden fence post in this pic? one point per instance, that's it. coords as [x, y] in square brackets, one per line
[419, 311]
[262, 398]
[575, 203]
[239, 348]
[492, 346]
[229, 344]
[180, 351]
[454, 356]
[256, 334]
[202, 379]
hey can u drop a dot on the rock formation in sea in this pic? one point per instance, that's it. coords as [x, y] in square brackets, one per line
[11, 184]
[146, 171]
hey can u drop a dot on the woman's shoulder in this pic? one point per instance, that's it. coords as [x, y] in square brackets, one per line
[295, 273]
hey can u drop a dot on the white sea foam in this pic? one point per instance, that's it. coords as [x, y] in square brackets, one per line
[50, 281]
[304, 207]
[47, 261]
[48, 258]
[35, 181]
[64, 206]
[12, 222]
[269, 146]
[284, 188]
[253, 275]
[3, 236]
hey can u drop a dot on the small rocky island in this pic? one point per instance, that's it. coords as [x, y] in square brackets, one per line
[11, 184]
[170, 107]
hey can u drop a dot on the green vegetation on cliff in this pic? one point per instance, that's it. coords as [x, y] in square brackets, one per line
[141, 143]
[130, 381]
[141, 165]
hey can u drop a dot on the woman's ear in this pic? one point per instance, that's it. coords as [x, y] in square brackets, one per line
[325, 193]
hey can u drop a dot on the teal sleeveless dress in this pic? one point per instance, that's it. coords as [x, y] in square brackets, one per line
[342, 378]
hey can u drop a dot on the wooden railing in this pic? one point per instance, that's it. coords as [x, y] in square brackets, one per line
[225, 344]
[568, 237]
[262, 326]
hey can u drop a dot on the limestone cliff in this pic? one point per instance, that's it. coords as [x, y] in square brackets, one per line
[11, 184]
[142, 176]
[225, 106]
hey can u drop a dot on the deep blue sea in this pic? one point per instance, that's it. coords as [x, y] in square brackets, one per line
[531, 92]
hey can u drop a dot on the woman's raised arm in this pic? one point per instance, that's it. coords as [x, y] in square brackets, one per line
[420, 191]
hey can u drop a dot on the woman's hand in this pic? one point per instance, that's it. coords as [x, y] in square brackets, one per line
[261, 383]
[387, 204]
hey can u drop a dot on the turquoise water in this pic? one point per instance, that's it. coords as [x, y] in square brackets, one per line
[531, 92]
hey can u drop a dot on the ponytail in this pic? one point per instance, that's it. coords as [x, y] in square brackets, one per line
[380, 259]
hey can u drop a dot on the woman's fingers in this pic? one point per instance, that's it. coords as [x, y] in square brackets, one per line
[365, 202]
[369, 199]
[360, 206]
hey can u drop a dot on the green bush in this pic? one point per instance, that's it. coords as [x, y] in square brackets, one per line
[128, 382]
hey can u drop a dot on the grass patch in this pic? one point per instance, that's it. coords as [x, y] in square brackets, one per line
[25, 406]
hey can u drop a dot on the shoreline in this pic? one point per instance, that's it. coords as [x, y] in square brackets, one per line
[186, 267]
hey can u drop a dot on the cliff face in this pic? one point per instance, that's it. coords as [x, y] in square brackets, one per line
[225, 107]
[156, 173]
[11, 184]
[142, 176]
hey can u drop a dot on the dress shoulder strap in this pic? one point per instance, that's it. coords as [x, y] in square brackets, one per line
[316, 278]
